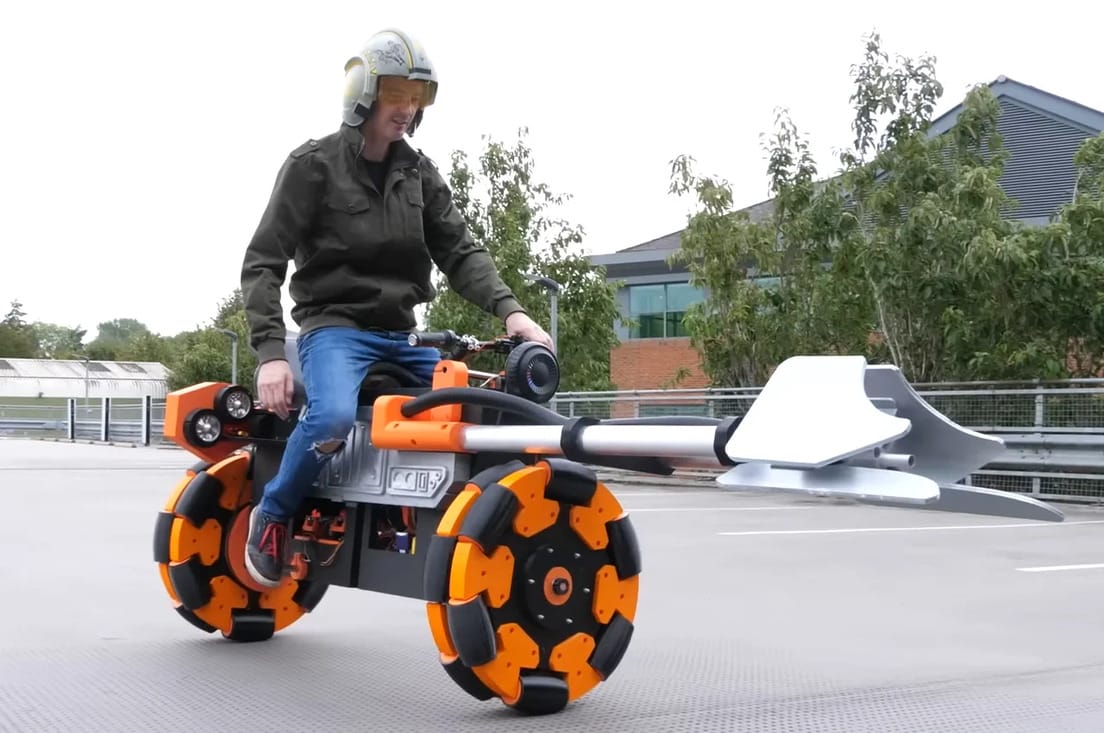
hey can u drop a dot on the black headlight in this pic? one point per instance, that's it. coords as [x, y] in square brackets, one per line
[234, 403]
[204, 427]
[532, 372]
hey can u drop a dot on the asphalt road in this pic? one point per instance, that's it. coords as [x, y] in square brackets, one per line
[757, 613]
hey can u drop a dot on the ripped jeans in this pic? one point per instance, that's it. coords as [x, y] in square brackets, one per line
[334, 361]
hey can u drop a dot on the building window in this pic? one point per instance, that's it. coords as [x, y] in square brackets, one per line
[770, 283]
[658, 309]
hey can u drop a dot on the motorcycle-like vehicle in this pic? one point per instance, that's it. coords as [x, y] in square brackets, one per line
[471, 495]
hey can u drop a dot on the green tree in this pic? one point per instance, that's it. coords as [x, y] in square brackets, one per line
[926, 208]
[1038, 296]
[147, 347]
[767, 294]
[204, 355]
[906, 255]
[113, 338]
[58, 342]
[960, 290]
[17, 337]
[228, 308]
[507, 211]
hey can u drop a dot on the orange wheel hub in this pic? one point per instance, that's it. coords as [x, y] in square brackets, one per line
[557, 586]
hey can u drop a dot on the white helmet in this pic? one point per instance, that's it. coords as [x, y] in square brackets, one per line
[389, 52]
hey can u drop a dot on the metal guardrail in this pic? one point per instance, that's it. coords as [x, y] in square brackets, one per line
[1054, 431]
[121, 432]
[104, 420]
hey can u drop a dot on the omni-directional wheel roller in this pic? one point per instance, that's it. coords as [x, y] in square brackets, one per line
[199, 545]
[532, 583]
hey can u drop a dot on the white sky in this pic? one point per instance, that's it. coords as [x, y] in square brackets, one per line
[143, 138]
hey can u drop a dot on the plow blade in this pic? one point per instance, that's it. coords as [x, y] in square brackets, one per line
[857, 482]
[836, 426]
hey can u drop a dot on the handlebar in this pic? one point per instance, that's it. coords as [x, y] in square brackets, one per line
[459, 345]
[440, 339]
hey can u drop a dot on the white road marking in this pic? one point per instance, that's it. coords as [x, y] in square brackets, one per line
[855, 530]
[1051, 568]
[667, 493]
[637, 510]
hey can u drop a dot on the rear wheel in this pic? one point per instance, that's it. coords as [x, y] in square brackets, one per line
[532, 581]
[199, 546]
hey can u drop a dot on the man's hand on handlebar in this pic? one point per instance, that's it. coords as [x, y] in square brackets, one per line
[520, 324]
[276, 387]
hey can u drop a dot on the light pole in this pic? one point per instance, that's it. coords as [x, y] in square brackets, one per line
[233, 353]
[553, 289]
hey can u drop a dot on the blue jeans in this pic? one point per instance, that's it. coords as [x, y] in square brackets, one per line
[334, 361]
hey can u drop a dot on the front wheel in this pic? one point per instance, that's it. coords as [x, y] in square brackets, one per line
[531, 584]
[199, 547]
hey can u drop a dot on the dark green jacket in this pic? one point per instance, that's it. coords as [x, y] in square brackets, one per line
[363, 258]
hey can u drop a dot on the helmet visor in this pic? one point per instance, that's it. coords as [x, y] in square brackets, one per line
[399, 92]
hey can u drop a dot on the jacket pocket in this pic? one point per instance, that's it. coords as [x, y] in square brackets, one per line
[348, 228]
[349, 205]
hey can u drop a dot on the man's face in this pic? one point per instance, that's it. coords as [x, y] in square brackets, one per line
[397, 101]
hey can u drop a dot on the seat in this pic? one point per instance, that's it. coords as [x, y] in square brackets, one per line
[383, 378]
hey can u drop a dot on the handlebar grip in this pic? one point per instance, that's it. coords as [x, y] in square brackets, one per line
[440, 339]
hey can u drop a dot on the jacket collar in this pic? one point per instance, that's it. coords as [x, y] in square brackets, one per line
[402, 154]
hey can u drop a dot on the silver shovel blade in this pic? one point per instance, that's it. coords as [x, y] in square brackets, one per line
[839, 480]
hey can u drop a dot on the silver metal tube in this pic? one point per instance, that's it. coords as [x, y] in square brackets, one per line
[877, 458]
[690, 442]
[543, 439]
[900, 461]
[661, 441]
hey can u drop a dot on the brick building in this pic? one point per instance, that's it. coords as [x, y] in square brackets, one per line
[1041, 133]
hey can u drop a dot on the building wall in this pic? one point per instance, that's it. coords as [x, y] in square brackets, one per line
[650, 363]
[654, 364]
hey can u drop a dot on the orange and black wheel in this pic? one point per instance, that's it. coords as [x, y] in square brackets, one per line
[199, 546]
[531, 583]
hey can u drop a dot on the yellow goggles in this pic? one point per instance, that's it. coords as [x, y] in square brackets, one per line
[396, 91]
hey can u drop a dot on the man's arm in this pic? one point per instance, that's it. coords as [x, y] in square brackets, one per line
[286, 220]
[468, 266]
